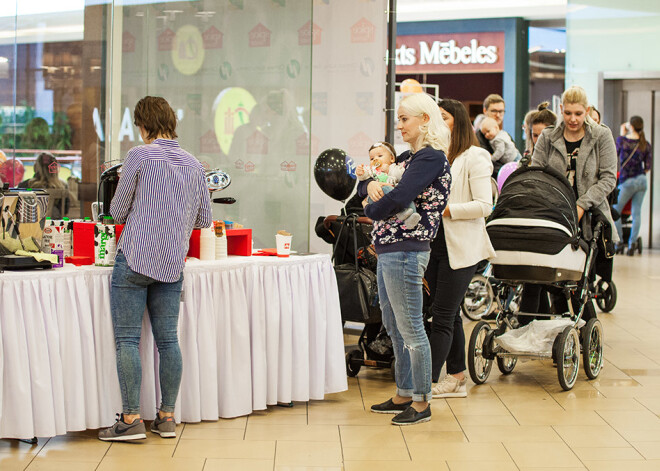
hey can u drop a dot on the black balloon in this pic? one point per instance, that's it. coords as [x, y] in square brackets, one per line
[334, 172]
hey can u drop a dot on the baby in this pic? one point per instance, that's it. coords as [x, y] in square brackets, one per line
[504, 150]
[382, 168]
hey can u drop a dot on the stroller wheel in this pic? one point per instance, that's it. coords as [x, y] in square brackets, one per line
[479, 360]
[354, 362]
[606, 295]
[478, 299]
[568, 358]
[506, 364]
[592, 348]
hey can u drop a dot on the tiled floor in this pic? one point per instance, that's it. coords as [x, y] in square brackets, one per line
[520, 422]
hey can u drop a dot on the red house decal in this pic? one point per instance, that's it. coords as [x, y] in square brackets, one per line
[358, 145]
[127, 42]
[309, 34]
[208, 144]
[166, 40]
[212, 38]
[257, 143]
[239, 164]
[54, 167]
[259, 36]
[291, 166]
[363, 31]
[284, 166]
[249, 166]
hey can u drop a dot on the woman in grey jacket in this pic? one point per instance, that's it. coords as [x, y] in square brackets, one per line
[583, 150]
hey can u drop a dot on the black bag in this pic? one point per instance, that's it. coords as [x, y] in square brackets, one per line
[358, 286]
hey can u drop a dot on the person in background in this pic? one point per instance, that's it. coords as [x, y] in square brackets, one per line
[635, 158]
[493, 108]
[161, 196]
[534, 297]
[527, 131]
[46, 176]
[595, 114]
[461, 243]
[504, 150]
[403, 252]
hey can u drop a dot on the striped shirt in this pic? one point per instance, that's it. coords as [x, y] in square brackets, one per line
[161, 196]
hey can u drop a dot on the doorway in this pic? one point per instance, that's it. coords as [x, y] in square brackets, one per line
[622, 95]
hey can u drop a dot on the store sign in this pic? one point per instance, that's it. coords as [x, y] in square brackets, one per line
[450, 53]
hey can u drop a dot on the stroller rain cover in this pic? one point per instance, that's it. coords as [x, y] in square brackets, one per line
[535, 212]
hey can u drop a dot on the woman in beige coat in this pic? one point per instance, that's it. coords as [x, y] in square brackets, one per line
[461, 243]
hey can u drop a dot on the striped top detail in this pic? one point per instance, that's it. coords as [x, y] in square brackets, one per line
[161, 196]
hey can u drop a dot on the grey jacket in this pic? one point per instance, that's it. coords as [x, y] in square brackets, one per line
[596, 164]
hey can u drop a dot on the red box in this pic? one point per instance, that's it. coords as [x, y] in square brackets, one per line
[193, 244]
[83, 239]
[239, 242]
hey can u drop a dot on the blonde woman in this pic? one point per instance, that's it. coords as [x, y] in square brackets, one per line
[403, 252]
[583, 151]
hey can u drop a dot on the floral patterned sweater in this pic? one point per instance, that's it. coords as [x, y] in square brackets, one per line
[426, 182]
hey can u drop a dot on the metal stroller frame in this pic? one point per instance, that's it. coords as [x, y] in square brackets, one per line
[482, 349]
[363, 355]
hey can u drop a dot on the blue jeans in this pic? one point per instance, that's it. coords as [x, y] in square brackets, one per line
[400, 291]
[130, 293]
[633, 188]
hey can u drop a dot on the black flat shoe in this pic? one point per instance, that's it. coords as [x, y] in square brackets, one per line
[389, 407]
[411, 417]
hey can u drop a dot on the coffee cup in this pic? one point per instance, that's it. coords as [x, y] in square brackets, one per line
[283, 245]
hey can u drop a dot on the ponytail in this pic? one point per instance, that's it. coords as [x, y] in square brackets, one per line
[637, 124]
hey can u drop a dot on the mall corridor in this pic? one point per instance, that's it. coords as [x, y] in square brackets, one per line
[520, 422]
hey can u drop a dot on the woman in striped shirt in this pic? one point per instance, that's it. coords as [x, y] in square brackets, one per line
[161, 196]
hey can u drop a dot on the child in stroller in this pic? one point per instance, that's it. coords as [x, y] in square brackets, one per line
[534, 230]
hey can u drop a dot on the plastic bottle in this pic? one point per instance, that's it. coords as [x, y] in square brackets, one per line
[47, 237]
[67, 236]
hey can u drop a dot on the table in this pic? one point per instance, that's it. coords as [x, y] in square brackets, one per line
[253, 331]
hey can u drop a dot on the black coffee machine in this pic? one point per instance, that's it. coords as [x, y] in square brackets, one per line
[107, 188]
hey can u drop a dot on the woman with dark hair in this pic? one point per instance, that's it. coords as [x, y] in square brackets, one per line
[161, 196]
[461, 243]
[635, 157]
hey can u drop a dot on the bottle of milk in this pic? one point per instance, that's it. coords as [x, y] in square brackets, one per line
[105, 243]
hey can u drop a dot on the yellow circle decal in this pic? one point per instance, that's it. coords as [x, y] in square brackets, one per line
[232, 109]
[188, 50]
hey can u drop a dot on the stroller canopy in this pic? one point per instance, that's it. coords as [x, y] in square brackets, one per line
[535, 212]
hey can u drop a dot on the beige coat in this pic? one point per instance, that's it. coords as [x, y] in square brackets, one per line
[596, 163]
[470, 202]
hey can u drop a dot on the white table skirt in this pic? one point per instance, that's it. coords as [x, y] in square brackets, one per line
[253, 331]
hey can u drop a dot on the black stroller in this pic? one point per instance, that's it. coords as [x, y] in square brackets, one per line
[351, 238]
[534, 230]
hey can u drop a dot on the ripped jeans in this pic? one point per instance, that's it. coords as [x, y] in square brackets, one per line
[400, 291]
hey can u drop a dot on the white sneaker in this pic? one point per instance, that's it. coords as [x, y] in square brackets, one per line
[450, 386]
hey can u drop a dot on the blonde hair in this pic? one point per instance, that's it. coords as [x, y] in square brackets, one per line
[487, 123]
[435, 133]
[575, 96]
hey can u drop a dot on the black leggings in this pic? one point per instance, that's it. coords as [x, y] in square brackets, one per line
[447, 291]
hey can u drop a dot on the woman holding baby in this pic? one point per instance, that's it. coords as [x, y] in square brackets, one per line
[403, 250]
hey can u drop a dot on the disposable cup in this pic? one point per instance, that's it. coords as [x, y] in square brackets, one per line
[283, 245]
